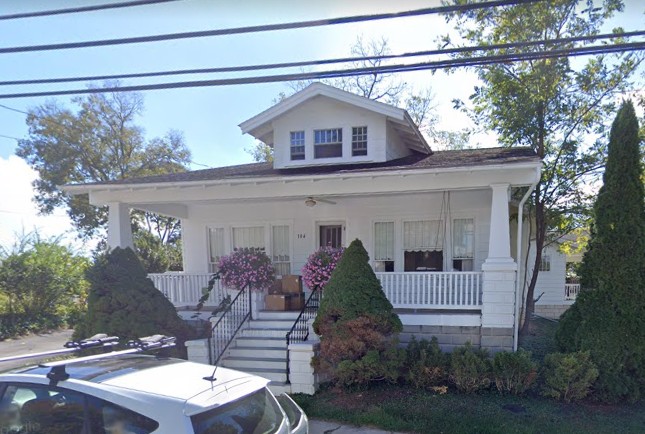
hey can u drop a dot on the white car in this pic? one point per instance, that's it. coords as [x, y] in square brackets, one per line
[140, 394]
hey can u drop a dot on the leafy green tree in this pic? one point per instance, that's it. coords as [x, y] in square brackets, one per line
[123, 302]
[155, 256]
[555, 106]
[98, 142]
[357, 324]
[42, 281]
[608, 318]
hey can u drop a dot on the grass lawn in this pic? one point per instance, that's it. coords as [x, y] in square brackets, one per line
[400, 408]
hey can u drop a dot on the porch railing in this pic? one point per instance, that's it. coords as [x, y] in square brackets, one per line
[228, 324]
[300, 330]
[433, 290]
[571, 291]
[185, 289]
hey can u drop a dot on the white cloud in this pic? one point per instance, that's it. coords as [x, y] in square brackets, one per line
[18, 213]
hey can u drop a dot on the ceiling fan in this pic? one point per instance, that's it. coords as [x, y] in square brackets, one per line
[311, 201]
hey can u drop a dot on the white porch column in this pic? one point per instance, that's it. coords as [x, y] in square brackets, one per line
[499, 273]
[119, 229]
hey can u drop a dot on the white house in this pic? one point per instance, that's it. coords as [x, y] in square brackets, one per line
[437, 225]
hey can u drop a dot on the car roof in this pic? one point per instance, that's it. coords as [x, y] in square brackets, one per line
[169, 377]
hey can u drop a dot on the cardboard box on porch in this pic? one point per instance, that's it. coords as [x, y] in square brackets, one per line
[297, 301]
[276, 288]
[291, 284]
[277, 302]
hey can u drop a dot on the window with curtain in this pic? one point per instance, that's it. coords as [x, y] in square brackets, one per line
[545, 263]
[423, 245]
[280, 250]
[249, 237]
[383, 246]
[215, 248]
[463, 244]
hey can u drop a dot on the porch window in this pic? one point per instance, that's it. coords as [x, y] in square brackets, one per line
[359, 141]
[463, 244]
[297, 145]
[328, 143]
[383, 246]
[280, 250]
[423, 245]
[215, 248]
[545, 263]
[249, 237]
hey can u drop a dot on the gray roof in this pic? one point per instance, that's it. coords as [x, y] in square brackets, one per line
[437, 160]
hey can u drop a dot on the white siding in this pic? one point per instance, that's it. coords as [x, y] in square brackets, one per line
[357, 214]
[551, 282]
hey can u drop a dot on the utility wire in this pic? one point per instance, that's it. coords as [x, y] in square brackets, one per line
[13, 109]
[81, 9]
[265, 66]
[10, 137]
[384, 69]
[266, 27]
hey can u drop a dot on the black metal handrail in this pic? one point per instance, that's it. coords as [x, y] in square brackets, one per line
[227, 326]
[300, 330]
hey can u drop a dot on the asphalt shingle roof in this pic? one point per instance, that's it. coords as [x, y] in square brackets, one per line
[439, 159]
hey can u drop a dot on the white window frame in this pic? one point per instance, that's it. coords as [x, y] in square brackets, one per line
[250, 226]
[213, 265]
[379, 264]
[297, 143]
[445, 242]
[359, 141]
[452, 241]
[326, 137]
[545, 263]
[285, 264]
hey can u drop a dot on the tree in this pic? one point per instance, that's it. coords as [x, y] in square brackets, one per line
[384, 87]
[97, 143]
[123, 302]
[554, 106]
[42, 281]
[357, 324]
[608, 318]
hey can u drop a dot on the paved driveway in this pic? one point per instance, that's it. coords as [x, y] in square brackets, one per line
[34, 343]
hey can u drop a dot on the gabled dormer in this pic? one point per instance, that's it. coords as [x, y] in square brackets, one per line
[323, 125]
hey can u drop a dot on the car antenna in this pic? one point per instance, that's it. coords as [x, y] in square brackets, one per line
[212, 378]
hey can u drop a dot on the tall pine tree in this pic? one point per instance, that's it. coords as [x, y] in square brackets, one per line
[608, 318]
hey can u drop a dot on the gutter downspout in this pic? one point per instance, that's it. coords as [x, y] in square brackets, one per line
[518, 303]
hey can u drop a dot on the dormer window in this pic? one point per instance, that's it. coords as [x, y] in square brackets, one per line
[297, 145]
[328, 143]
[359, 141]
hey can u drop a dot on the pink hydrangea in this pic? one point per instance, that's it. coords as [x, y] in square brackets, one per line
[247, 267]
[319, 266]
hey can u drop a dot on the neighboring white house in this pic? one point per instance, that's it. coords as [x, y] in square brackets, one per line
[436, 224]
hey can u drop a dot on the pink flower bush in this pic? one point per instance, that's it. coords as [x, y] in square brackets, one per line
[319, 266]
[247, 266]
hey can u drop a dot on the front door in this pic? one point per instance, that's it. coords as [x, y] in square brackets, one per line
[331, 236]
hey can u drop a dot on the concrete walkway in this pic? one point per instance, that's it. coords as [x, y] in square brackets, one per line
[33, 343]
[323, 427]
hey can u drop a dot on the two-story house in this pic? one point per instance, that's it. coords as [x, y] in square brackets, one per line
[438, 225]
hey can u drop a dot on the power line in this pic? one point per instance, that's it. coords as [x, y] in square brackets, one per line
[10, 137]
[265, 66]
[266, 27]
[81, 9]
[422, 66]
[13, 109]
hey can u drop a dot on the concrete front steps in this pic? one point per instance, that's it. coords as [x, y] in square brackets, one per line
[260, 348]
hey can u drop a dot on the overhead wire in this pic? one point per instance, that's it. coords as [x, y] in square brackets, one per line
[79, 9]
[266, 27]
[318, 75]
[281, 65]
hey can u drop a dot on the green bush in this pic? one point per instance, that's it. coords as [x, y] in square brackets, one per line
[568, 377]
[123, 302]
[357, 325]
[426, 364]
[470, 368]
[515, 372]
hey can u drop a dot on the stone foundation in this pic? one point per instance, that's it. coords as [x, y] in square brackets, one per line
[494, 339]
[551, 311]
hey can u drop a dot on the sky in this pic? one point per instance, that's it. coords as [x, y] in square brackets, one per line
[208, 117]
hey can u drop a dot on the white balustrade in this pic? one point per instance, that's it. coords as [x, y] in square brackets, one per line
[571, 291]
[185, 289]
[433, 290]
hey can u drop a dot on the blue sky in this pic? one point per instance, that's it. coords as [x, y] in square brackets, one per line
[207, 116]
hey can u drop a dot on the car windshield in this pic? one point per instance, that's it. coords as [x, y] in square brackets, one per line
[258, 413]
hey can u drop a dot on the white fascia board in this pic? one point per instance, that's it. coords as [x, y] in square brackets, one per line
[533, 167]
[311, 91]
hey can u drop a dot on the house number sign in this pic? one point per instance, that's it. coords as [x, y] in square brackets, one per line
[301, 236]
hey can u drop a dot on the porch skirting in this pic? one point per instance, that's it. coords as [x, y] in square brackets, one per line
[551, 311]
[494, 339]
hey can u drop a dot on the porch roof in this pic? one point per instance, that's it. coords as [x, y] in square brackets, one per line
[437, 160]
